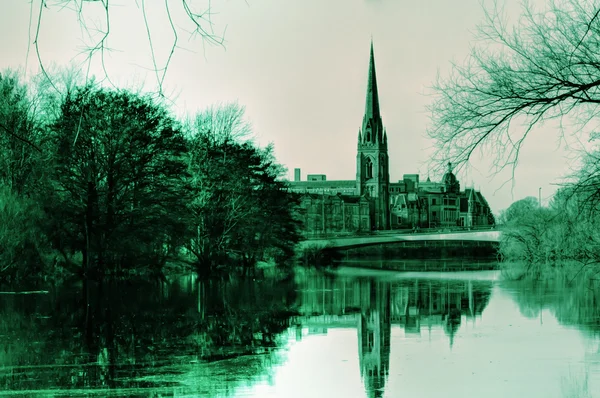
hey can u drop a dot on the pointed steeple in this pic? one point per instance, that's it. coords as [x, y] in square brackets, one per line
[372, 127]
[372, 103]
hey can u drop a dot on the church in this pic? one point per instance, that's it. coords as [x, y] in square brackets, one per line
[371, 202]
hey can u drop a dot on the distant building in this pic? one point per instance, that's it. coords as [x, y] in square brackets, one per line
[437, 204]
[371, 202]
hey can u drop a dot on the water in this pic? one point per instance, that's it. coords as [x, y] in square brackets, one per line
[354, 334]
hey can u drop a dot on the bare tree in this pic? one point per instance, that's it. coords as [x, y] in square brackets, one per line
[48, 91]
[196, 15]
[223, 122]
[546, 66]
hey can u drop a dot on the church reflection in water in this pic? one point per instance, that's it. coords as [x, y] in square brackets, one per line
[372, 306]
[374, 327]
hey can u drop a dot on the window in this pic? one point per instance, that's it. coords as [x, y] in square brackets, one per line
[369, 168]
[433, 201]
[434, 214]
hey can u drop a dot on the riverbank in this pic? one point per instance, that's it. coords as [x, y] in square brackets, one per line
[420, 265]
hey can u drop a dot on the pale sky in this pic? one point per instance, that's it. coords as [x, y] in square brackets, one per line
[300, 69]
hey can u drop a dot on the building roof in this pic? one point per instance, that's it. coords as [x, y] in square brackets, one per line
[481, 199]
[344, 198]
[331, 184]
[450, 180]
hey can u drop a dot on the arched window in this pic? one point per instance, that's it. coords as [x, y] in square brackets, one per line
[369, 168]
[368, 135]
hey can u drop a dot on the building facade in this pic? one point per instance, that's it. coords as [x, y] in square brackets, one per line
[371, 202]
[437, 204]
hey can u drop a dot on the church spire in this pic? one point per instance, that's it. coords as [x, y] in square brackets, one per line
[372, 103]
[372, 128]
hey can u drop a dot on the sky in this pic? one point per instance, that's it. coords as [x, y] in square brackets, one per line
[300, 69]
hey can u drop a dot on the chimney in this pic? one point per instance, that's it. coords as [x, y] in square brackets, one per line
[297, 175]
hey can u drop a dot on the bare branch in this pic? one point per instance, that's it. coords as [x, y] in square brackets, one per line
[546, 68]
[36, 43]
[202, 24]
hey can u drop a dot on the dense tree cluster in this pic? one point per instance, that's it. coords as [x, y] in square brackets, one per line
[563, 236]
[99, 181]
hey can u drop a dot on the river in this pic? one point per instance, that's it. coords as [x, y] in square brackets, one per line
[356, 333]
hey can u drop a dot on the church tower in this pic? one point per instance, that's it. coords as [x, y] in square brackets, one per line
[372, 161]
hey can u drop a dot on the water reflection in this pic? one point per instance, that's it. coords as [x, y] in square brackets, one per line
[374, 335]
[320, 335]
[573, 303]
[140, 336]
[372, 306]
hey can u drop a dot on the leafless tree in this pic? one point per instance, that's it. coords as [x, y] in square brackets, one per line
[545, 66]
[196, 14]
[223, 122]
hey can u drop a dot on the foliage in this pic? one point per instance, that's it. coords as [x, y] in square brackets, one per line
[547, 66]
[19, 136]
[241, 208]
[553, 237]
[22, 243]
[23, 246]
[109, 182]
[119, 191]
[519, 209]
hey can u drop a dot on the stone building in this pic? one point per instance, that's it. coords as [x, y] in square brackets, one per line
[337, 213]
[437, 204]
[371, 202]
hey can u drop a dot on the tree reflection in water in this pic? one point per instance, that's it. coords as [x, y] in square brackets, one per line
[213, 338]
[574, 303]
[139, 335]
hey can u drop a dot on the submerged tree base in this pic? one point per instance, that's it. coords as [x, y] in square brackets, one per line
[318, 256]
